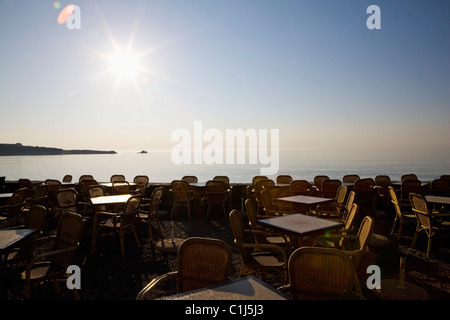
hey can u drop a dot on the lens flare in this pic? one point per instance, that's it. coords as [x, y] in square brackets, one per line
[65, 13]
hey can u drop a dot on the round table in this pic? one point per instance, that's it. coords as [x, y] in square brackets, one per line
[389, 291]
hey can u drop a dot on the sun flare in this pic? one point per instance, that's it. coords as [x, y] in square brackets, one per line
[124, 64]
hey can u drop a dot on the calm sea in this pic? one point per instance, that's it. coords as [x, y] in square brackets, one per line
[301, 164]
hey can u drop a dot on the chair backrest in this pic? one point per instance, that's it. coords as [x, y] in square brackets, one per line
[67, 178]
[224, 179]
[264, 184]
[394, 200]
[117, 177]
[330, 187]
[284, 178]
[216, 191]
[318, 180]
[341, 194]
[299, 186]
[382, 180]
[364, 233]
[190, 179]
[350, 178]
[420, 208]
[409, 186]
[237, 226]
[350, 200]
[439, 187]
[256, 178]
[85, 177]
[202, 262]
[130, 210]
[155, 201]
[68, 234]
[53, 184]
[121, 187]
[96, 191]
[321, 273]
[351, 217]
[67, 199]
[410, 176]
[40, 191]
[141, 180]
[365, 184]
[35, 218]
[19, 196]
[26, 183]
[266, 199]
[180, 189]
[251, 212]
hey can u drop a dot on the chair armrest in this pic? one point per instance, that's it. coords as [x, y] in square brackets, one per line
[155, 282]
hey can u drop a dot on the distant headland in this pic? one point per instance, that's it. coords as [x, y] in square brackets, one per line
[18, 149]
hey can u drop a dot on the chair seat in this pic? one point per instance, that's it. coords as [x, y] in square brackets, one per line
[268, 260]
[42, 270]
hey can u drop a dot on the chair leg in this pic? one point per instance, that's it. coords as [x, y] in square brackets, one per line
[429, 246]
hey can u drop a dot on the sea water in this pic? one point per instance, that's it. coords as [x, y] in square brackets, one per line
[300, 164]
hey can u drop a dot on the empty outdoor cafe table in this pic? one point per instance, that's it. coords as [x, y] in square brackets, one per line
[107, 200]
[246, 288]
[444, 202]
[9, 238]
[300, 225]
[306, 202]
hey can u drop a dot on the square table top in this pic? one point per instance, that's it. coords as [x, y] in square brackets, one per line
[437, 199]
[300, 224]
[115, 199]
[302, 199]
[246, 288]
[9, 237]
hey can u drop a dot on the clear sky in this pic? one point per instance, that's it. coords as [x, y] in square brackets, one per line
[309, 68]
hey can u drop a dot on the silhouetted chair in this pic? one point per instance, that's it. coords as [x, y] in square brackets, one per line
[322, 273]
[401, 217]
[12, 211]
[382, 182]
[118, 222]
[410, 176]
[300, 187]
[67, 178]
[258, 187]
[141, 183]
[26, 183]
[329, 188]
[51, 264]
[117, 178]
[431, 223]
[216, 196]
[190, 179]
[335, 210]
[408, 186]
[148, 210]
[257, 257]
[201, 262]
[183, 196]
[284, 178]
[350, 178]
[318, 180]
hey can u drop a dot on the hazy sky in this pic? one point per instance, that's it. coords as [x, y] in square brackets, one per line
[311, 69]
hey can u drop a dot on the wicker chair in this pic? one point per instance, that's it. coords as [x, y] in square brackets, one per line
[336, 209]
[270, 236]
[350, 178]
[40, 195]
[355, 245]
[141, 183]
[183, 196]
[202, 262]
[284, 178]
[52, 264]
[260, 185]
[268, 259]
[329, 188]
[225, 179]
[190, 179]
[118, 223]
[382, 182]
[409, 176]
[26, 183]
[300, 187]
[117, 177]
[270, 208]
[12, 211]
[148, 210]
[318, 181]
[401, 216]
[121, 187]
[35, 219]
[408, 186]
[322, 273]
[432, 223]
[216, 196]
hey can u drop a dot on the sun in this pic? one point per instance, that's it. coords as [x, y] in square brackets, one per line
[124, 64]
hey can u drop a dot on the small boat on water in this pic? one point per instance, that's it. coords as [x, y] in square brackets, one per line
[143, 152]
